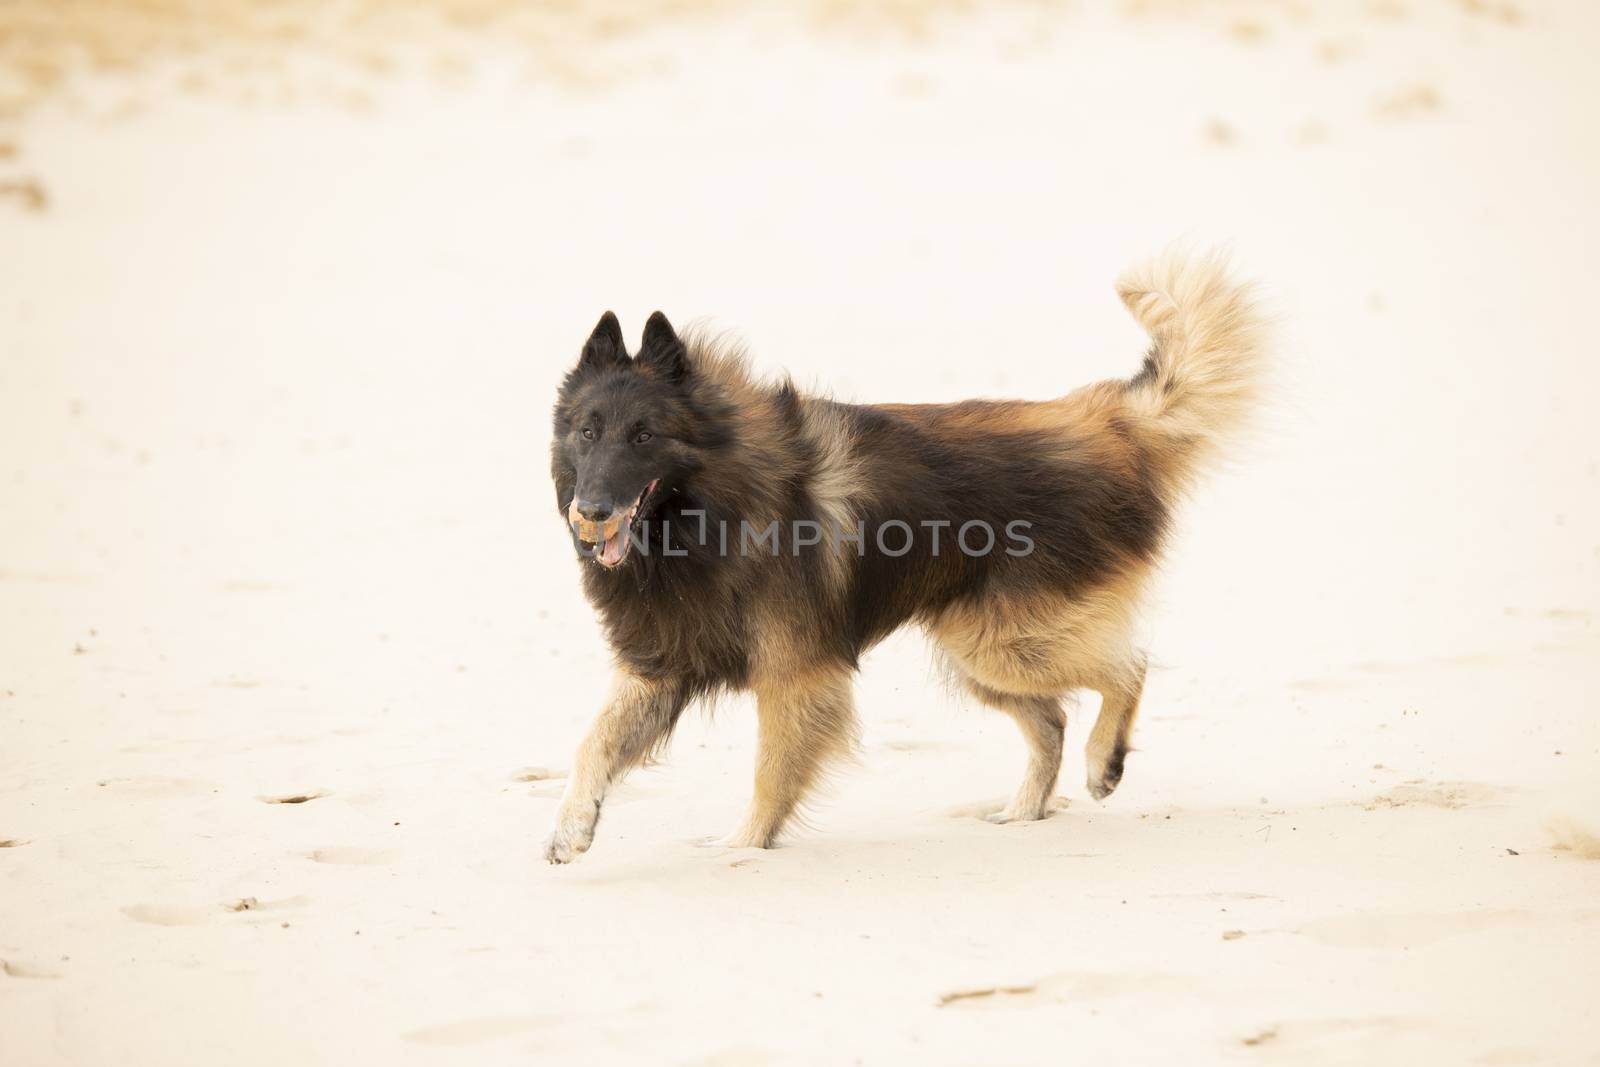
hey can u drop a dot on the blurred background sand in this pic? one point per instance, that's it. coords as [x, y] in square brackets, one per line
[292, 651]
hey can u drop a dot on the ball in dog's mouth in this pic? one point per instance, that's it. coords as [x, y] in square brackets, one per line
[613, 537]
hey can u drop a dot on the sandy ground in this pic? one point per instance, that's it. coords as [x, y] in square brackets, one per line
[293, 654]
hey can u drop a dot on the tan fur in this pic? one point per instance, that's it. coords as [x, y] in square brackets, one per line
[621, 737]
[1119, 705]
[1019, 655]
[1042, 722]
[807, 718]
[1210, 338]
[1044, 644]
[1013, 653]
[837, 478]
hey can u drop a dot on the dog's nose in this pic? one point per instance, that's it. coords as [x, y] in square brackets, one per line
[593, 510]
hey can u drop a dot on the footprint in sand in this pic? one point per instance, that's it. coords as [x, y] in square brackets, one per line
[254, 904]
[1408, 102]
[1331, 1034]
[985, 993]
[349, 855]
[296, 798]
[1404, 930]
[169, 914]
[976, 810]
[472, 1031]
[985, 808]
[903, 745]
[1450, 795]
[21, 969]
[237, 683]
[536, 774]
[1567, 614]
[201, 914]
[1570, 834]
[1072, 987]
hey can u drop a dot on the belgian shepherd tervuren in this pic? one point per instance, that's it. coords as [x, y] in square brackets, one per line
[741, 535]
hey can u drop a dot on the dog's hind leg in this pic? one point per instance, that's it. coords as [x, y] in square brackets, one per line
[638, 717]
[805, 721]
[1108, 741]
[1042, 722]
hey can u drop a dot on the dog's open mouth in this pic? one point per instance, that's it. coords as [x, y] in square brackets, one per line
[612, 538]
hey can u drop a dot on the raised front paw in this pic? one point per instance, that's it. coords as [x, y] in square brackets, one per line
[1106, 775]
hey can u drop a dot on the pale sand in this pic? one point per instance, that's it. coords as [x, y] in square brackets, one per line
[274, 385]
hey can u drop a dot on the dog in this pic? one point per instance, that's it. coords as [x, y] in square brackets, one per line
[737, 535]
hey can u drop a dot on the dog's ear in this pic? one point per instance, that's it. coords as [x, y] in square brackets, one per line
[662, 352]
[605, 347]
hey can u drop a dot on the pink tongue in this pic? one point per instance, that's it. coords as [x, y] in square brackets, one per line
[616, 545]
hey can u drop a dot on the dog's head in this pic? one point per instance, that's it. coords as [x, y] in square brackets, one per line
[626, 436]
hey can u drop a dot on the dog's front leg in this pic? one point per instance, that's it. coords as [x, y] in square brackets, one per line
[806, 719]
[638, 716]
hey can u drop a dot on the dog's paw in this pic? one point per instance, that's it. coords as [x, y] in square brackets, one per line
[559, 849]
[1105, 770]
[1104, 782]
[1013, 813]
[568, 841]
[745, 837]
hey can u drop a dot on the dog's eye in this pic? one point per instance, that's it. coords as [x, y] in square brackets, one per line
[587, 433]
[642, 436]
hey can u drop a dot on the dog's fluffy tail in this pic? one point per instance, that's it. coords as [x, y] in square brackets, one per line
[1203, 375]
